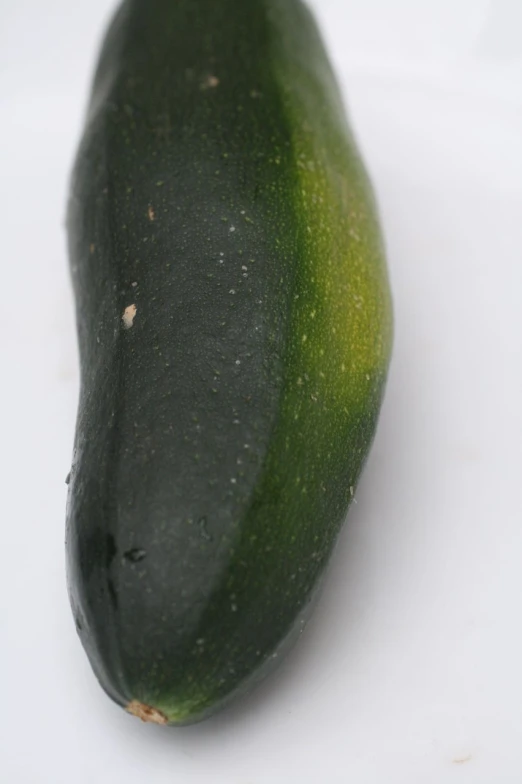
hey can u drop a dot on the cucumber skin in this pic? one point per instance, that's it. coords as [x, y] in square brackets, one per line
[221, 430]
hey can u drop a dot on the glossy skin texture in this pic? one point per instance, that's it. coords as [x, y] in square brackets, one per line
[234, 324]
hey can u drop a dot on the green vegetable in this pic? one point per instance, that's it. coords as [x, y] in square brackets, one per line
[234, 326]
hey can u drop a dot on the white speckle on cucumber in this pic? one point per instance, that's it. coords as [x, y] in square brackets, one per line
[128, 316]
[209, 82]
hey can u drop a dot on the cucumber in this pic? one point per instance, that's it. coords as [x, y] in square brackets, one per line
[234, 324]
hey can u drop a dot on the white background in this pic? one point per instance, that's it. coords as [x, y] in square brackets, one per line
[411, 670]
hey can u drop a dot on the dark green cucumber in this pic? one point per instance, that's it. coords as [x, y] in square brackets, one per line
[234, 325]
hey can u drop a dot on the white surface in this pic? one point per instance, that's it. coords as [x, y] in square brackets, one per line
[411, 670]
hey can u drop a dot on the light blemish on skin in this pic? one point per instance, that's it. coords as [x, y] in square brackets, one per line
[209, 82]
[134, 284]
[232, 228]
[151, 213]
[146, 713]
[128, 316]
